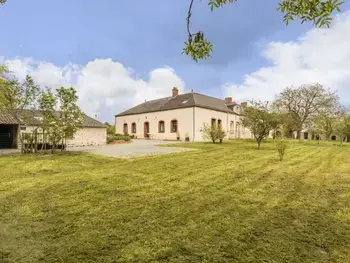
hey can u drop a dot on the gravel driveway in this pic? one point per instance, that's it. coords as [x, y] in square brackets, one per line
[136, 148]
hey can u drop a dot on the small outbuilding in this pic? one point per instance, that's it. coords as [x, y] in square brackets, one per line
[91, 133]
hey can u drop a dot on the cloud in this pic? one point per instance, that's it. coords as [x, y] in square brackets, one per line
[321, 55]
[105, 87]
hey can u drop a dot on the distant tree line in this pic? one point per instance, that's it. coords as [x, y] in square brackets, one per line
[312, 108]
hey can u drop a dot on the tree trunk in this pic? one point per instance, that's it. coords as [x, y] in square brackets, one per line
[259, 143]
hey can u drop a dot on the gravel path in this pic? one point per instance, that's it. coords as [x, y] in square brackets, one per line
[136, 148]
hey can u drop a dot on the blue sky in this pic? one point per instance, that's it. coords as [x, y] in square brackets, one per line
[144, 35]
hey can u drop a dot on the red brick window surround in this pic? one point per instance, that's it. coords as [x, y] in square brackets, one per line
[133, 127]
[161, 127]
[174, 126]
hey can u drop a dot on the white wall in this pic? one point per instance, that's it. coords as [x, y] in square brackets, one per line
[185, 123]
[236, 130]
[184, 118]
[205, 115]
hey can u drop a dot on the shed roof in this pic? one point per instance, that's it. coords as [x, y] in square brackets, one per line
[31, 117]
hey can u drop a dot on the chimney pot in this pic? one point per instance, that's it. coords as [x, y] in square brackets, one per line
[175, 92]
[228, 100]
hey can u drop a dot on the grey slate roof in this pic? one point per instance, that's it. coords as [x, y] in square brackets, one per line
[181, 101]
[29, 118]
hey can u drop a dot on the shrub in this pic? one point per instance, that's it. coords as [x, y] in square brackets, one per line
[213, 133]
[118, 137]
[110, 138]
[281, 146]
[110, 129]
[220, 133]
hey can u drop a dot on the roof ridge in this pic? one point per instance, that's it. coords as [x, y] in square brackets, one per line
[208, 96]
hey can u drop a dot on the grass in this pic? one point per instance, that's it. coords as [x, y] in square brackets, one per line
[223, 203]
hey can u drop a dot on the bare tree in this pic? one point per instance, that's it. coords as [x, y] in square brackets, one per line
[305, 102]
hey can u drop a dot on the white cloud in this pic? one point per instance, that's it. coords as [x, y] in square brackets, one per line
[102, 84]
[321, 55]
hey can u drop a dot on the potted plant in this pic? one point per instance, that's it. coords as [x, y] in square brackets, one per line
[187, 137]
[178, 135]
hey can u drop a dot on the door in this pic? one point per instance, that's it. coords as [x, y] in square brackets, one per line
[5, 140]
[125, 129]
[146, 130]
[6, 136]
[238, 130]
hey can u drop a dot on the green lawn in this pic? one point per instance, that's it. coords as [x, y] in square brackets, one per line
[223, 203]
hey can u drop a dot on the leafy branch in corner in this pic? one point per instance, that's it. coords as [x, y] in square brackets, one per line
[316, 11]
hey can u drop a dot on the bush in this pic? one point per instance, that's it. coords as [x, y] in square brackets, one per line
[110, 129]
[118, 137]
[213, 133]
[281, 146]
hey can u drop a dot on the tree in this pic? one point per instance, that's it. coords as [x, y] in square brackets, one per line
[305, 102]
[324, 124]
[260, 120]
[317, 11]
[110, 128]
[342, 127]
[15, 95]
[63, 123]
[2, 2]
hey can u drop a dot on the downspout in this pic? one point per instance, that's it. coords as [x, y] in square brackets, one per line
[227, 131]
[194, 124]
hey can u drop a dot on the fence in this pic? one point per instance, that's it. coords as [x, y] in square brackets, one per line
[40, 141]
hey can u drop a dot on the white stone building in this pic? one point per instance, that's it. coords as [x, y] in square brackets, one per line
[183, 116]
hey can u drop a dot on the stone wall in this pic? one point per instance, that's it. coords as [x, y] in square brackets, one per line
[83, 137]
[89, 137]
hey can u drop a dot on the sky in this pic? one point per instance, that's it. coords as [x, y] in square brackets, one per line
[118, 54]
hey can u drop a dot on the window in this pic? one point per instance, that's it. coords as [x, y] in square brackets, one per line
[174, 126]
[133, 127]
[213, 122]
[231, 126]
[219, 123]
[161, 127]
[125, 128]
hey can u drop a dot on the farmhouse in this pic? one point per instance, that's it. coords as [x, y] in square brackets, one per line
[92, 131]
[182, 116]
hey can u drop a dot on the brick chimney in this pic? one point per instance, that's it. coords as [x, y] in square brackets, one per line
[244, 104]
[175, 92]
[228, 100]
